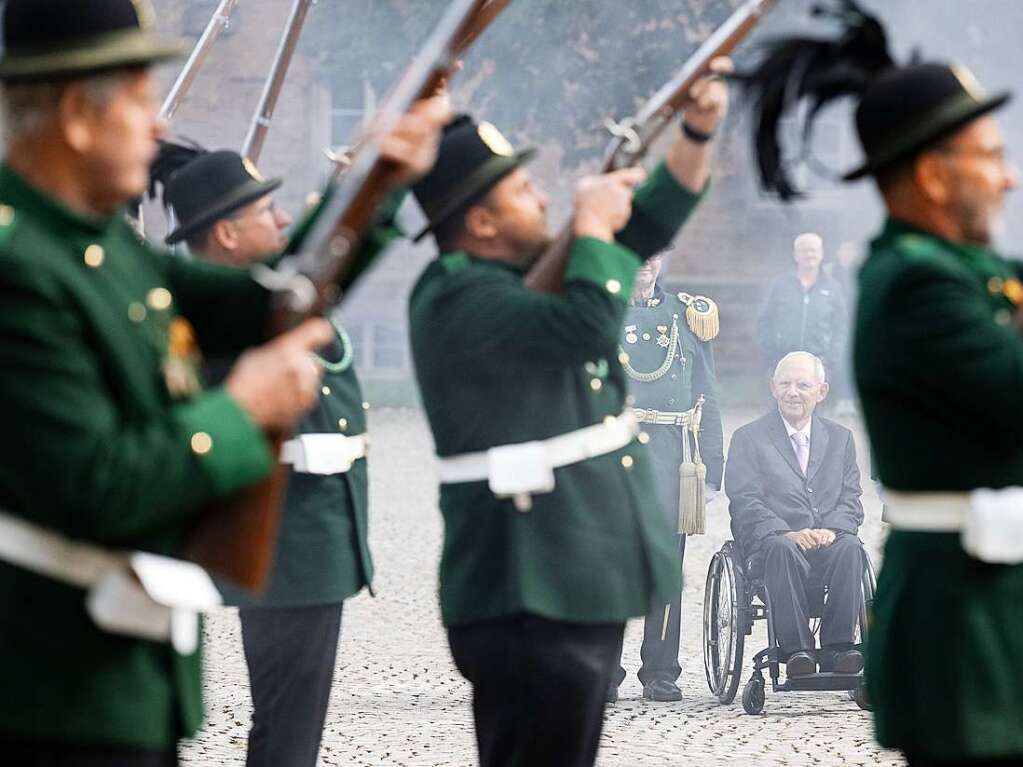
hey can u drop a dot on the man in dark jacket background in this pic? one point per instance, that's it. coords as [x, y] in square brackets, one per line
[805, 311]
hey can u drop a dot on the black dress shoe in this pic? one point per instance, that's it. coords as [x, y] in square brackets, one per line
[661, 691]
[800, 664]
[612, 695]
[848, 662]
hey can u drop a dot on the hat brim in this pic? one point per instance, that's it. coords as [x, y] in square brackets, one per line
[245, 195]
[111, 51]
[478, 182]
[932, 128]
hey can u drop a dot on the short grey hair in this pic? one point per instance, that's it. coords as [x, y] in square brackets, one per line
[27, 107]
[808, 238]
[818, 364]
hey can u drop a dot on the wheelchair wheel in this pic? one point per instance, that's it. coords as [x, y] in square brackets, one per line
[860, 696]
[754, 696]
[723, 633]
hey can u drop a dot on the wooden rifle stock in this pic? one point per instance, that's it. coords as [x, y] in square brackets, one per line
[217, 24]
[260, 126]
[236, 539]
[634, 137]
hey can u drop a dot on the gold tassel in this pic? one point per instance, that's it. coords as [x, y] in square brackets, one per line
[692, 518]
[702, 317]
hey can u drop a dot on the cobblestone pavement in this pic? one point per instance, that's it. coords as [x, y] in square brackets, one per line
[398, 700]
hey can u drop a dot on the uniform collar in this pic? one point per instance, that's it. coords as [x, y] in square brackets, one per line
[656, 299]
[895, 228]
[26, 198]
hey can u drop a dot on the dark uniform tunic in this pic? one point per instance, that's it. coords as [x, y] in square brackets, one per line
[939, 368]
[655, 330]
[97, 449]
[500, 364]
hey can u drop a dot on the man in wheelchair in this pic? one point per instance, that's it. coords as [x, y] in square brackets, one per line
[794, 499]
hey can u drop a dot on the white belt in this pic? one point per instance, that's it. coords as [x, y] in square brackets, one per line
[324, 453]
[143, 595]
[990, 522]
[526, 468]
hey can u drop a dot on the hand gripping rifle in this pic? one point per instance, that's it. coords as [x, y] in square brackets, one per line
[483, 16]
[217, 24]
[236, 539]
[634, 136]
[260, 125]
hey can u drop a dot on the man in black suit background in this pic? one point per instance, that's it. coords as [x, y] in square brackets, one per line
[794, 499]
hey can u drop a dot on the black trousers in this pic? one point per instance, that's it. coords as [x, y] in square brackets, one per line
[662, 632]
[538, 688]
[290, 652]
[795, 581]
[51, 753]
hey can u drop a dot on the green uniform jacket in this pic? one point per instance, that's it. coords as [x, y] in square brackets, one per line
[97, 449]
[940, 373]
[497, 364]
[323, 552]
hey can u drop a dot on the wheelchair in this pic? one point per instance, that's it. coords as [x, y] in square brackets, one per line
[732, 602]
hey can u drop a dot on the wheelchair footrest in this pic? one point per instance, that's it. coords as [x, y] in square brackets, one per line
[821, 681]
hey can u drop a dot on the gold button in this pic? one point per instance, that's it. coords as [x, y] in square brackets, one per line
[342, 423]
[326, 391]
[159, 299]
[630, 400]
[595, 384]
[614, 287]
[643, 438]
[365, 406]
[6, 215]
[623, 358]
[136, 312]
[995, 284]
[94, 255]
[627, 462]
[609, 420]
[202, 443]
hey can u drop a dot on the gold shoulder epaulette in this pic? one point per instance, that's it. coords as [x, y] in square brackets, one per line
[701, 316]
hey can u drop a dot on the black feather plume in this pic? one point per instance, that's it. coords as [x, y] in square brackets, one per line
[171, 158]
[814, 71]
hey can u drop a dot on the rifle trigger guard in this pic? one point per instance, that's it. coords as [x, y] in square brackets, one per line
[299, 291]
[625, 129]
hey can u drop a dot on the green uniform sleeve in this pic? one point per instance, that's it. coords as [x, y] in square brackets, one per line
[500, 323]
[659, 209]
[77, 461]
[227, 308]
[712, 441]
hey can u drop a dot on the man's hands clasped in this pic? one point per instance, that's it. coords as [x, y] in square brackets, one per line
[812, 539]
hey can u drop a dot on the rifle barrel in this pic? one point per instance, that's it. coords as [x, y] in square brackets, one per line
[217, 23]
[260, 125]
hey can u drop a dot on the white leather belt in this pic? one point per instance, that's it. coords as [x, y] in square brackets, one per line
[989, 522]
[134, 593]
[324, 453]
[527, 468]
[926, 512]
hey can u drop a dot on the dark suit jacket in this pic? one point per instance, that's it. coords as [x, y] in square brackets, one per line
[768, 493]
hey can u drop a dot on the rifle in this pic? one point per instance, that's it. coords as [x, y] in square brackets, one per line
[217, 24]
[634, 136]
[260, 125]
[483, 16]
[236, 539]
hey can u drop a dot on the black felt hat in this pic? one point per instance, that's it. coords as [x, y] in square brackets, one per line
[211, 187]
[907, 109]
[51, 39]
[471, 159]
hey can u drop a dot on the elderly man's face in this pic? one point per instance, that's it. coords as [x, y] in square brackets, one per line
[797, 389]
[808, 253]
